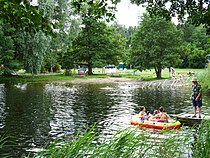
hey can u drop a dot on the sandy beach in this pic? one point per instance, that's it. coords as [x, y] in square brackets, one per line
[99, 80]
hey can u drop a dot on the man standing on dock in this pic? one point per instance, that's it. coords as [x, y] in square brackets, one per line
[196, 97]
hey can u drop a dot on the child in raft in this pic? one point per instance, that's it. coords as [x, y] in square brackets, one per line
[162, 116]
[142, 114]
[152, 118]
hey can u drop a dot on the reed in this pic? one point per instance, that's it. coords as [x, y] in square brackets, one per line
[204, 78]
[3, 145]
[201, 148]
[128, 143]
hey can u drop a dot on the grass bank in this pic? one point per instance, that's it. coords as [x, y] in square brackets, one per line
[147, 75]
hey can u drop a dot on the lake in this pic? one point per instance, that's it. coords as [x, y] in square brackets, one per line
[33, 114]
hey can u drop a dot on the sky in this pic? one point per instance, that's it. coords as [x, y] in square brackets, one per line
[128, 13]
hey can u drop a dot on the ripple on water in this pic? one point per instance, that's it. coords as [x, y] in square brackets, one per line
[55, 110]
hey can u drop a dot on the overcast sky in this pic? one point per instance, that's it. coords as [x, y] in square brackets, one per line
[128, 13]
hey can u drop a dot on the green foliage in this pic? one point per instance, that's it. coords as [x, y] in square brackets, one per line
[97, 42]
[198, 12]
[22, 15]
[8, 62]
[96, 9]
[66, 27]
[130, 143]
[195, 47]
[29, 30]
[4, 143]
[204, 78]
[126, 33]
[156, 43]
[32, 49]
[202, 141]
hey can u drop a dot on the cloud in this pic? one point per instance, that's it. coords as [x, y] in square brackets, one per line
[128, 14]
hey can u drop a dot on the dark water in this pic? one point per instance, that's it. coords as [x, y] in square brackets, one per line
[33, 114]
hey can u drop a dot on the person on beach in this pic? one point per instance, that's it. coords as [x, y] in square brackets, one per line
[173, 73]
[162, 116]
[196, 97]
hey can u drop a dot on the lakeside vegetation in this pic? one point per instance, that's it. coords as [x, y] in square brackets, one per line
[148, 75]
[42, 36]
[134, 143]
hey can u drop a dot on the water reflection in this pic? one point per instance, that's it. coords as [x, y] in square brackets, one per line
[2, 105]
[36, 113]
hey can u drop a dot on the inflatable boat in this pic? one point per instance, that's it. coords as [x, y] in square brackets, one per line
[172, 124]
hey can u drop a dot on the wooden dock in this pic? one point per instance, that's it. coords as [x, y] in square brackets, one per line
[189, 120]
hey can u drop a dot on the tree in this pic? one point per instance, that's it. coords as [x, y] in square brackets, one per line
[126, 33]
[97, 43]
[156, 43]
[198, 12]
[22, 15]
[196, 46]
[7, 60]
[99, 9]
[33, 47]
[34, 23]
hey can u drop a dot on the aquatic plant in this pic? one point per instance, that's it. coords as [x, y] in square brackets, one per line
[205, 80]
[128, 143]
[202, 141]
[3, 144]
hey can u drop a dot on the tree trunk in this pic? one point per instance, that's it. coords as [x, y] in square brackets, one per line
[90, 69]
[158, 71]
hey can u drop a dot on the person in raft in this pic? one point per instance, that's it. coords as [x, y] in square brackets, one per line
[162, 116]
[152, 118]
[196, 97]
[142, 114]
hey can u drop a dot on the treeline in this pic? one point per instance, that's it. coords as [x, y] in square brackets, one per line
[50, 35]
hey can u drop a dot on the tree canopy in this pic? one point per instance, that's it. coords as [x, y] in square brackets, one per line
[98, 42]
[198, 12]
[156, 44]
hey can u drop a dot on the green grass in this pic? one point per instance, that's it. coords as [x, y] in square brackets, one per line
[146, 75]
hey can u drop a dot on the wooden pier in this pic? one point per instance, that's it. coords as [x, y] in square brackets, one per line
[189, 120]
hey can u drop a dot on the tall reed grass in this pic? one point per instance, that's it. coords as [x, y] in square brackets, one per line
[205, 80]
[201, 148]
[3, 145]
[134, 143]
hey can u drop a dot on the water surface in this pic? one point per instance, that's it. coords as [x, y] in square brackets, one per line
[33, 114]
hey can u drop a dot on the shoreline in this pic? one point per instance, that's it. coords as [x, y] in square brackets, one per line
[97, 80]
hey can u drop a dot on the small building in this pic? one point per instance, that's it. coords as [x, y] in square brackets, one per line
[121, 66]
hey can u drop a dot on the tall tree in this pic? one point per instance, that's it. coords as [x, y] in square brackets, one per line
[33, 47]
[156, 43]
[97, 42]
[7, 60]
[32, 24]
[126, 33]
[196, 46]
[65, 25]
[198, 11]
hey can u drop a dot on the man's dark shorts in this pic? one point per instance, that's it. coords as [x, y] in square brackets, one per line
[197, 103]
